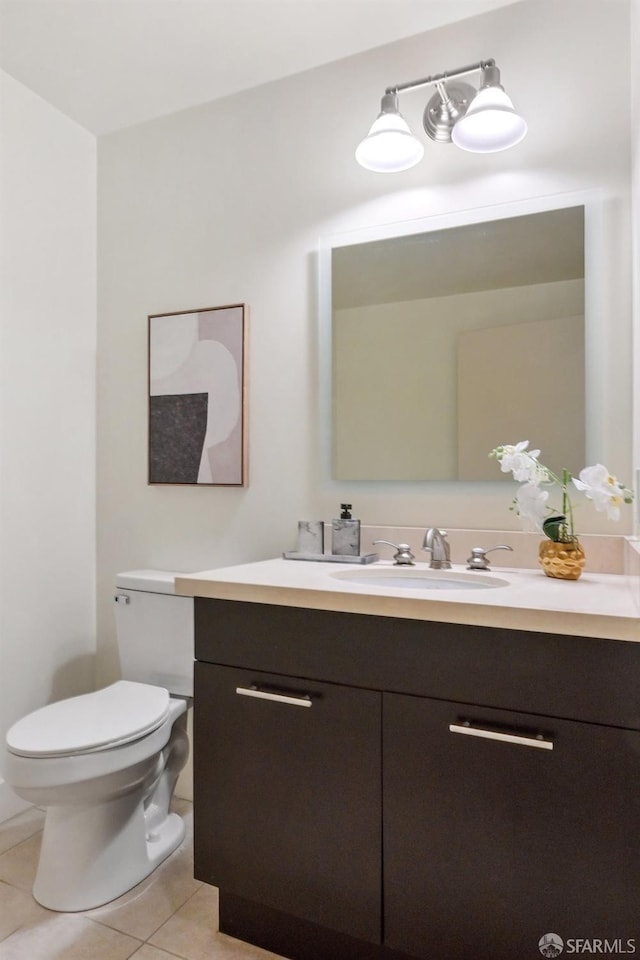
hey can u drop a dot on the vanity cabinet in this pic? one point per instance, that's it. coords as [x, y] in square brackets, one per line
[452, 791]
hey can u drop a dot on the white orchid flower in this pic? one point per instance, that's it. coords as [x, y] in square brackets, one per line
[531, 504]
[598, 485]
[523, 463]
[606, 492]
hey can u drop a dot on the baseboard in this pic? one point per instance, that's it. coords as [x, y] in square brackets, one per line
[10, 802]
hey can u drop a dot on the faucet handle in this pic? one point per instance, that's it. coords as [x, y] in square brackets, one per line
[478, 559]
[403, 555]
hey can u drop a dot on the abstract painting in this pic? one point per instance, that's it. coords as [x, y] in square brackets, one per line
[197, 402]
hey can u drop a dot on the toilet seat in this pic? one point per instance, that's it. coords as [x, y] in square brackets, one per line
[116, 715]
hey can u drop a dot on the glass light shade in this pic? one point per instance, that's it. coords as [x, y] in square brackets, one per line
[389, 147]
[490, 124]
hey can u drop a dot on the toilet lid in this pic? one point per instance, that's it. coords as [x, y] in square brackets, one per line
[116, 715]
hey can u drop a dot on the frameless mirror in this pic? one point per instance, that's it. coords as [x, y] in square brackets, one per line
[448, 342]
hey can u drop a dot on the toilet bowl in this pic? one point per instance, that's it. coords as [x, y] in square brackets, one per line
[104, 765]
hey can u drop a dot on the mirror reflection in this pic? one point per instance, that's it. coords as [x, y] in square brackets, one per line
[448, 343]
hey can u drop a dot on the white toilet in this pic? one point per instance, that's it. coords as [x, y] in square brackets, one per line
[105, 764]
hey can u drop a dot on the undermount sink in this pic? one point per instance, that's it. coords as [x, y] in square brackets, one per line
[412, 579]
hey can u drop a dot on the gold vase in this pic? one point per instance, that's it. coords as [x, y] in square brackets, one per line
[564, 561]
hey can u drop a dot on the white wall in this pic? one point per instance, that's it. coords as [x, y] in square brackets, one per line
[226, 203]
[635, 206]
[47, 405]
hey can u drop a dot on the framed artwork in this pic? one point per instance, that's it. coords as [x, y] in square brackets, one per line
[197, 396]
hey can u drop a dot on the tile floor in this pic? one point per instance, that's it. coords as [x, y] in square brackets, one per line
[167, 916]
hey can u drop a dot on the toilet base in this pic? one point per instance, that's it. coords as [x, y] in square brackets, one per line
[78, 870]
[93, 852]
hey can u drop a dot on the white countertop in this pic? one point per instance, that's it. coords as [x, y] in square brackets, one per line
[596, 605]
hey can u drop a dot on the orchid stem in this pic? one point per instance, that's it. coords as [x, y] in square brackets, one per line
[567, 506]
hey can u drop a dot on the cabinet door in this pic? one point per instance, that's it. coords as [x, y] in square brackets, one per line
[492, 843]
[287, 795]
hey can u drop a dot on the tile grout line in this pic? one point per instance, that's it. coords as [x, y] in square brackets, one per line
[169, 953]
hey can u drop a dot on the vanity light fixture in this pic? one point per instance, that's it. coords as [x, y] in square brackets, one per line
[482, 121]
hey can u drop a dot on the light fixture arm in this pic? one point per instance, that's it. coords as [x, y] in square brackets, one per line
[440, 77]
[443, 92]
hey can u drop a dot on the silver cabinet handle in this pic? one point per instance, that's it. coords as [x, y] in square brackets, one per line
[302, 701]
[538, 741]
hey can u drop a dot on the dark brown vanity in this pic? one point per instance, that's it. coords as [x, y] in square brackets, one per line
[372, 787]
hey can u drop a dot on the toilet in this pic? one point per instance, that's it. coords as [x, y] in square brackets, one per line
[104, 765]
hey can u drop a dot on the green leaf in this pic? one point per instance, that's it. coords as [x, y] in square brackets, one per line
[553, 527]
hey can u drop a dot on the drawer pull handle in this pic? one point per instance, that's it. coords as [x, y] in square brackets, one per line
[300, 701]
[538, 742]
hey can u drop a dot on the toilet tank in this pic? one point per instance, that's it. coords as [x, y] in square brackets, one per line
[155, 630]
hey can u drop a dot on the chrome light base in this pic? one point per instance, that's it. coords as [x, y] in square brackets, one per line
[445, 108]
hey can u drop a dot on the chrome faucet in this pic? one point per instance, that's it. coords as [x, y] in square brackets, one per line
[436, 543]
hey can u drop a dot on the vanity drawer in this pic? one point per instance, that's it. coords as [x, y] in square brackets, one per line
[583, 678]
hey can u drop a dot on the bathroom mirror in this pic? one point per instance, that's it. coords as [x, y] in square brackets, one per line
[444, 343]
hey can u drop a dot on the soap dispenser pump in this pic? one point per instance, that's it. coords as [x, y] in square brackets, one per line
[345, 534]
